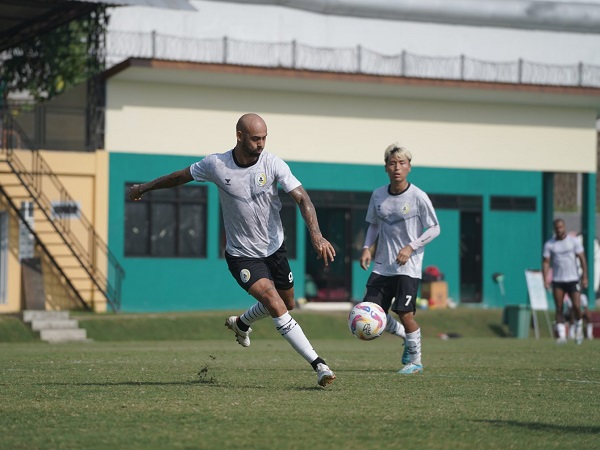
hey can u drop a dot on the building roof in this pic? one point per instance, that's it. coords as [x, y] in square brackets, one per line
[270, 78]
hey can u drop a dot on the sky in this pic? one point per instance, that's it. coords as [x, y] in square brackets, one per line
[260, 23]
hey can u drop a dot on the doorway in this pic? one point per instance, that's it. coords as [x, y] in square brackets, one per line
[471, 257]
[341, 218]
[334, 282]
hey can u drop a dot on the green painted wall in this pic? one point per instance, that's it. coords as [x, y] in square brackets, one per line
[512, 246]
[511, 240]
[168, 284]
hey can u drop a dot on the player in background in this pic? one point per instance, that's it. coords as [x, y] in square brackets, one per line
[402, 221]
[247, 178]
[585, 315]
[562, 252]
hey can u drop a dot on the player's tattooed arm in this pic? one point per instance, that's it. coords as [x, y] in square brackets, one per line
[321, 245]
[167, 181]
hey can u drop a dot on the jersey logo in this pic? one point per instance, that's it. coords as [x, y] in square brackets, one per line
[228, 181]
[405, 208]
[245, 275]
[260, 179]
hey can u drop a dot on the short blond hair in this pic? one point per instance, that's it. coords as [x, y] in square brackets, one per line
[398, 150]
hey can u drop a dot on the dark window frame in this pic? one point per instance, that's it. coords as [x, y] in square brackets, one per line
[459, 202]
[177, 198]
[513, 203]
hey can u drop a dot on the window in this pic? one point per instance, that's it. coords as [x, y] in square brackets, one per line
[167, 223]
[499, 203]
[461, 202]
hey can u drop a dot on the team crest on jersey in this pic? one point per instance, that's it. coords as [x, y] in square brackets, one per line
[405, 208]
[260, 179]
[245, 275]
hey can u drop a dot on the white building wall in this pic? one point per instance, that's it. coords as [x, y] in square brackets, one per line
[162, 118]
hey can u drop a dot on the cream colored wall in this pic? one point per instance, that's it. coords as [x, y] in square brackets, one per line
[100, 222]
[201, 120]
[85, 177]
[13, 267]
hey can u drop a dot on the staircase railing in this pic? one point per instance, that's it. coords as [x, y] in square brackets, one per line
[18, 213]
[78, 234]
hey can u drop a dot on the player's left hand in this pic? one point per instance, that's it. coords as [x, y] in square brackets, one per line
[404, 255]
[584, 282]
[324, 249]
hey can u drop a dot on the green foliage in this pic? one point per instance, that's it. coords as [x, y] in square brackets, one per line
[50, 63]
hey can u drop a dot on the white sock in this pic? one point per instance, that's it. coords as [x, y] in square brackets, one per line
[292, 332]
[562, 332]
[256, 312]
[394, 327]
[579, 329]
[572, 331]
[590, 331]
[413, 346]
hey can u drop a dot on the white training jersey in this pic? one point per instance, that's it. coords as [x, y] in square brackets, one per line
[401, 218]
[563, 256]
[249, 200]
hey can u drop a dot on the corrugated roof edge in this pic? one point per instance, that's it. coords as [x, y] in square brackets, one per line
[164, 4]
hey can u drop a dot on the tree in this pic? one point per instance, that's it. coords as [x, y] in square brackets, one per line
[46, 65]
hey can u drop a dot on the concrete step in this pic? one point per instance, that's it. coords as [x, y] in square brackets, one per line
[31, 315]
[38, 325]
[55, 326]
[68, 335]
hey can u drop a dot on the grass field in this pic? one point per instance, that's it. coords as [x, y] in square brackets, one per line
[477, 392]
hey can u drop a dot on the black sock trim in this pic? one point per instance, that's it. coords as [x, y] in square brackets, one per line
[241, 325]
[317, 361]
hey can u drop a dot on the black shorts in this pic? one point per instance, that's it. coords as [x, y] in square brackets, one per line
[383, 289]
[568, 287]
[248, 271]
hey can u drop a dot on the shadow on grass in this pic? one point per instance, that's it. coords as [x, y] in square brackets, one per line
[499, 330]
[126, 383]
[576, 429]
[209, 383]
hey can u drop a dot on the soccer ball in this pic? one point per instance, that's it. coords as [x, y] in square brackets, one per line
[367, 321]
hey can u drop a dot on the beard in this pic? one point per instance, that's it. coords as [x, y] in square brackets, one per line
[251, 151]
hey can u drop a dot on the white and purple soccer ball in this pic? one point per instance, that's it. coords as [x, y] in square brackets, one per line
[367, 321]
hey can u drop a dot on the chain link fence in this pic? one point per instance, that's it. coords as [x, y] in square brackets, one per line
[293, 55]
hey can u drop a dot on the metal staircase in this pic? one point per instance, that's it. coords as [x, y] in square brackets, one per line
[80, 257]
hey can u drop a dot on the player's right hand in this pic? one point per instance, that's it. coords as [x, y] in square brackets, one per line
[365, 258]
[134, 193]
[324, 249]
